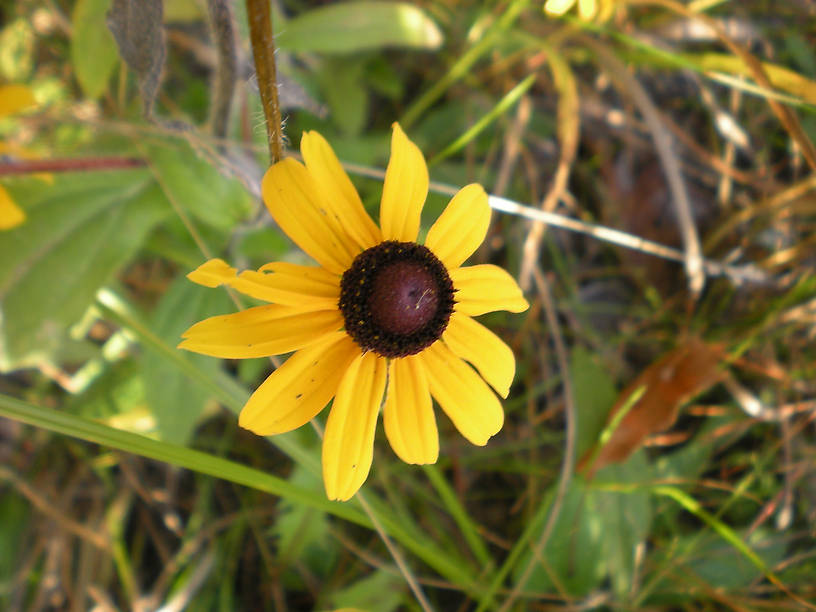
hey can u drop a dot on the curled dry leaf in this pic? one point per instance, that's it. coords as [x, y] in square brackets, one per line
[139, 33]
[668, 383]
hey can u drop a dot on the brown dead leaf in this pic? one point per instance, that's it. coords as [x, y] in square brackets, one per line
[669, 382]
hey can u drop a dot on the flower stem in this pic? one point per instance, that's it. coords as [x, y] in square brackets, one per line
[263, 52]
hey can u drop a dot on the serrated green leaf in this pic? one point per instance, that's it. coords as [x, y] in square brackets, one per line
[79, 232]
[194, 184]
[354, 26]
[176, 404]
[93, 50]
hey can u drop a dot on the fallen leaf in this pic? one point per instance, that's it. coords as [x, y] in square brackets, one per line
[667, 384]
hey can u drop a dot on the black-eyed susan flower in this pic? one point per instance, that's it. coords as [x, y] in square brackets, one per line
[382, 321]
[13, 99]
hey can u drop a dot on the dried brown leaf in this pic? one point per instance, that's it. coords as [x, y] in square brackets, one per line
[669, 382]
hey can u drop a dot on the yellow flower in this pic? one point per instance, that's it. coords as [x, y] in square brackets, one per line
[382, 316]
[587, 9]
[13, 99]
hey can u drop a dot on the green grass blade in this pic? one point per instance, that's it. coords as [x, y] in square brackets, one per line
[729, 535]
[91, 431]
[459, 515]
[510, 98]
[464, 63]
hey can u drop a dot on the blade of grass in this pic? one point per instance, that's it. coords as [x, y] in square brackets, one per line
[98, 433]
[519, 547]
[729, 535]
[460, 516]
[465, 62]
[509, 99]
[86, 429]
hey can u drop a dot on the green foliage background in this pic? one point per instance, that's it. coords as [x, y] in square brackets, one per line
[124, 483]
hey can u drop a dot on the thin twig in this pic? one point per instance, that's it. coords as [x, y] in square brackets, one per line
[568, 464]
[629, 85]
[737, 274]
[569, 129]
[51, 510]
[512, 144]
[263, 52]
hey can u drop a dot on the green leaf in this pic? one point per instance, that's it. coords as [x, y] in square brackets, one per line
[354, 26]
[17, 47]
[381, 591]
[203, 463]
[183, 10]
[176, 404]
[624, 514]
[79, 232]
[192, 183]
[93, 50]
[303, 535]
[15, 514]
[573, 552]
[594, 395]
[723, 567]
[116, 396]
[343, 90]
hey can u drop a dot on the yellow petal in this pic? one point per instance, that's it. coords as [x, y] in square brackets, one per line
[305, 287]
[462, 394]
[410, 424]
[558, 7]
[348, 446]
[335, 188]
[260, 332]
[475, 343]
[11, 215]
[587, 9]
[461, 228]
[294, 393]
[212, 273]
[14, 98]
[404, 190]
[485, 288]
[294, 202]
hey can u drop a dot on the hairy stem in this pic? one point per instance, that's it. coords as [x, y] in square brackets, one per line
[263, 52]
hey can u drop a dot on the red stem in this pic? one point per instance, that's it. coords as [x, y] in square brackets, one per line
[82, 164]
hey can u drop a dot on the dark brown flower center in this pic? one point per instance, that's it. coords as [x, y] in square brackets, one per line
[396, 298]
